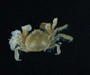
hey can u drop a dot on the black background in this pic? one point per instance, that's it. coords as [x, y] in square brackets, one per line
[74, 59]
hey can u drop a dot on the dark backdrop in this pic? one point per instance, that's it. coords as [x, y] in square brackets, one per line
[74, 59]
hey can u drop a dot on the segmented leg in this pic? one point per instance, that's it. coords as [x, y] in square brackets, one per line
[61, 28]
[46, 26]
[42, 25]
[16, 54]
[58, 49]
[26, 29]
[54, 23]
[64, 37]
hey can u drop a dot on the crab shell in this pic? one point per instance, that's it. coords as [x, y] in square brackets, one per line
[37, 41]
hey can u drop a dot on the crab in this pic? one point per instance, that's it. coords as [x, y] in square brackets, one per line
[39, 39]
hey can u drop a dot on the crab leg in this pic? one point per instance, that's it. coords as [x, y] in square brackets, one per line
[26, 29]
[61, 28]
[46, 26]
[58, 49]
[64, 37]
[16, 54]
[43, 24]
[54, 23]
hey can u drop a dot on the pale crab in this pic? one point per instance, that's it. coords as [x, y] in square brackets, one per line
[37, 40]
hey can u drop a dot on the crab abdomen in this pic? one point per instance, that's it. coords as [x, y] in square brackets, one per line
[37, 41]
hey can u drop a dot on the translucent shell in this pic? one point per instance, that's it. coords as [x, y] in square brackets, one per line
[37, 41]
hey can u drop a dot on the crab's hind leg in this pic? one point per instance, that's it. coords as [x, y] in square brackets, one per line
[26, 29]
[16, 54]
[60, 28]
[58, 49]
[64, 37]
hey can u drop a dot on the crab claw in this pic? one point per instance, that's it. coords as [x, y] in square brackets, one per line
[14, 39]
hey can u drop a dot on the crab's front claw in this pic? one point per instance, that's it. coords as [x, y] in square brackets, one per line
[13, 41]
[16, 54]
[26, 29]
